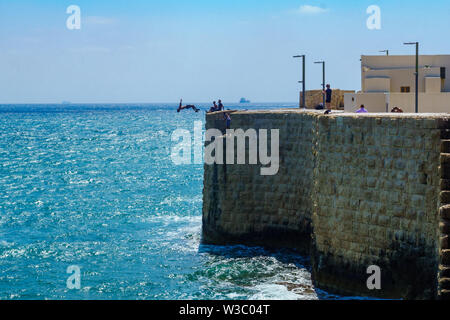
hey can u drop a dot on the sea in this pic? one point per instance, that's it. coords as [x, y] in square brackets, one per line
[93, 188]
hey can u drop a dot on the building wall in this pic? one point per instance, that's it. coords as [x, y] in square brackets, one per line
[378, 84]
[401, 70]
[398, 79]
[433, 85]
[373, 102]
[366, 189]
[388, 74]
[428, 102]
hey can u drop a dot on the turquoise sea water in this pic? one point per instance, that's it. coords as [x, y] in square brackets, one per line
[94, 186]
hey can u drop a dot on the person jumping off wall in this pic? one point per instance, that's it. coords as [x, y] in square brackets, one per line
[189, 106]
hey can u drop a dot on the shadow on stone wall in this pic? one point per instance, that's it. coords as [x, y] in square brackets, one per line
[406, 273]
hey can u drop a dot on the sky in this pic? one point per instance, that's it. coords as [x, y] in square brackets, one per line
[136, 51]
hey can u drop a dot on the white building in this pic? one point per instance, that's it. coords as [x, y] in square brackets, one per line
[389, 81]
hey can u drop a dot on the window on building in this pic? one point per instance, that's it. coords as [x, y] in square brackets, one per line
[442, 73]
[405, 89]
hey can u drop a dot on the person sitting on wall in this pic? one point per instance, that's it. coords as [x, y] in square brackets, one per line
[214, 108]
[395, 109]
[220, 105]
[361, 109]
[189, 106]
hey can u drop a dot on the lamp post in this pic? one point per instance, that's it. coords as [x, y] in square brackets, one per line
[303, 104]
[323, 79]
[417, 72]
[385, 51]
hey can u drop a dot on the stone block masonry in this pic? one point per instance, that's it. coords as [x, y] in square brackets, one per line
[351, 191]
[241, 206]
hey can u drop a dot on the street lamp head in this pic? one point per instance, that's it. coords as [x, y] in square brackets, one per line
[319, 62]
[410, 43]
[299, 56]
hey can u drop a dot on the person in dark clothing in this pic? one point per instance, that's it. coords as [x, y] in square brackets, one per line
[220, 105]
[328, 95]
[189, 106]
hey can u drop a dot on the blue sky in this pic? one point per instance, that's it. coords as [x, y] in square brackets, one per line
[160, 51]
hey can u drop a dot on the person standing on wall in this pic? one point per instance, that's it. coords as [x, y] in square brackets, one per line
[328, 94]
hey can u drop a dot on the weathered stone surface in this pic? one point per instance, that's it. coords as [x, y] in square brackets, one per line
[444, 243]
[445, 257]
[445, 146]
[444, 295]
[445, 184]
[445, 134]
[444, 123]
[354, 190]
[444, 197]
[444, 227]
[444, 272]
[444, 283]
[445, 212]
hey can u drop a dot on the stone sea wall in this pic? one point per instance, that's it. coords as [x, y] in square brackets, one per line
[351, 191]
[376, 202]
[242, 206]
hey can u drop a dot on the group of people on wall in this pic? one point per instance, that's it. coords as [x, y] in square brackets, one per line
[362, 109]
[219, 107]
[328, 94]
[216, 107]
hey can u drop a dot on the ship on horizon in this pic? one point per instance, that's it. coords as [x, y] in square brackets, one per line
[243, 100]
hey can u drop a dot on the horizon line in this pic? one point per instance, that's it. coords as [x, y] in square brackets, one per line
[127, 103]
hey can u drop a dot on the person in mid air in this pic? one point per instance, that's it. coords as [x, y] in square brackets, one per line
[189, 106]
